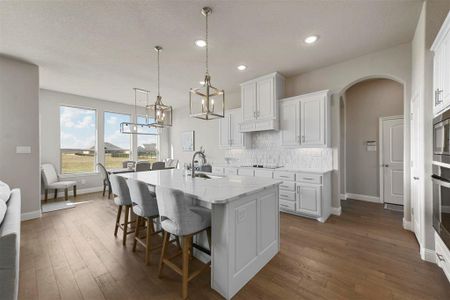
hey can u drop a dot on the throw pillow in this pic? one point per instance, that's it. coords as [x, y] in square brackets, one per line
[5, 191]
[3, 208]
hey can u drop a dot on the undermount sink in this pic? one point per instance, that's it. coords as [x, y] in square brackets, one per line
[206, 176]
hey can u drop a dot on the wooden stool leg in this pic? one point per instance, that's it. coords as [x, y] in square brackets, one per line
[119, 212]
[56, 193]
[66, 194]
[163, 252]
[150, 231]
[125, 225]
[46, 195]
[187, 241]
[136, 233]
[74, 190]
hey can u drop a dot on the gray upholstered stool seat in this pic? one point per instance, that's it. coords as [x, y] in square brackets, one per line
[180, 216]
[122, 198]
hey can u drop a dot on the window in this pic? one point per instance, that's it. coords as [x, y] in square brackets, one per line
[147, 145]
[117, 145]
[77, 139]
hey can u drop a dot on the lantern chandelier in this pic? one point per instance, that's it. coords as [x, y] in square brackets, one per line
[207, 102]
[137, 128]
[159, 112]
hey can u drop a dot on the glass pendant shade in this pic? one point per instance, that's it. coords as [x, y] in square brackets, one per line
[207, 102]
[161, 113]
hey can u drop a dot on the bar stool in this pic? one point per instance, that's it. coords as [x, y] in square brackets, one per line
[180, 217]
[146, 209]
[122, 199]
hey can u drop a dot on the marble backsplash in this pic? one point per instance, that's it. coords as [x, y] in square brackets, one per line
[265, 149]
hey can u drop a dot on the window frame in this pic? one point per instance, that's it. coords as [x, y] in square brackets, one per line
[95, 144]
[131, 155]
[158, 140]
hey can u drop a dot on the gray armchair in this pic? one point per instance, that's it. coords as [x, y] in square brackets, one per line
[52, 182]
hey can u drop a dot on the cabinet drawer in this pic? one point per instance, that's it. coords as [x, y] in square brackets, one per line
[217, 170]
[289, 205]
[287, 186]
[264, 173]
[285, 176]
[231, 171]
[309, 178]
[285, 195]
[246, 172]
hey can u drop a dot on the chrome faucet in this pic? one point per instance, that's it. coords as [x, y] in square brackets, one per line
[202, 155]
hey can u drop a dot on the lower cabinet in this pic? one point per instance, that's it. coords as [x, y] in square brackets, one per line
[442, 255]
[309, 199]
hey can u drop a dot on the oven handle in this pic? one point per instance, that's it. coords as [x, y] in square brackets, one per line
[441, 181]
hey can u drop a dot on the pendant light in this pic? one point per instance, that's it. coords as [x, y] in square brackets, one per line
[136, 128]
[159, 112]
[207, 102]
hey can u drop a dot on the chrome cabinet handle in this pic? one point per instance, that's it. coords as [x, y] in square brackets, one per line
[307, 178]
[416, 178]
[386, 166]
[437, 97]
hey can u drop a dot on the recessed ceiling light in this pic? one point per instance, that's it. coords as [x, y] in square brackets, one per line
[311, 39]
[242, 67]
[202, 83]
[200, 43]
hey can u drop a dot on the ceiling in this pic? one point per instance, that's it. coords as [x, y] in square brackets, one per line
[103, 49]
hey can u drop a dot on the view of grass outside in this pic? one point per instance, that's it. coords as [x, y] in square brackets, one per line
[77, 161]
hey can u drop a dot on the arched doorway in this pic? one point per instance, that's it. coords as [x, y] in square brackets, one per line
[368, 105]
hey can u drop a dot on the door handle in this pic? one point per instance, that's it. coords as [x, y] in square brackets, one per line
[386, 166]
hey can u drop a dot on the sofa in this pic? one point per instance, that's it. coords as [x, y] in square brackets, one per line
[9, 241]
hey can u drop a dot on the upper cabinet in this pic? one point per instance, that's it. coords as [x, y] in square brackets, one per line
[230, 136]
[304, 120]
[259, 102]
[441, 68]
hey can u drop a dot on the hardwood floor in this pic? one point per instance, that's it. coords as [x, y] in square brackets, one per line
[363, 254]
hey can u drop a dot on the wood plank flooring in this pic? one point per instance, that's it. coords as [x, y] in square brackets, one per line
[363, 254]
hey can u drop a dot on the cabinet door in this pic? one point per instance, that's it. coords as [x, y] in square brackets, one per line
[236, 137]
[265, 103]
[224, 131]
[445, 82]
[438, 72]
[248, 101]
[312, 125]
[309, 199]
[289, 123]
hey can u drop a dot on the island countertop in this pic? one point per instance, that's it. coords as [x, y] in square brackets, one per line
[218, 190]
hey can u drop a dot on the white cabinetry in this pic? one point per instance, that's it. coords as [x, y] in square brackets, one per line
[304, 120]
[305, 194]
[259, 102]
[229, 134]
[442, 255]
[441, 68]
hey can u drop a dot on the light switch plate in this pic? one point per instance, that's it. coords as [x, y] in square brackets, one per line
[23, 149]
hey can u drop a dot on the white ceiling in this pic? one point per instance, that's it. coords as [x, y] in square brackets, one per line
[104, 49]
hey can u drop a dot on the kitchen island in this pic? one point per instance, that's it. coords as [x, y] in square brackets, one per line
[245, 222]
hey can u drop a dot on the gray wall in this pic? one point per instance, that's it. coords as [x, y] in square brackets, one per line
[50, 101]
[392, 63]
[19, 126]
[365, 103]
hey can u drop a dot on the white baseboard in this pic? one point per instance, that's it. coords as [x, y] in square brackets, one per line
[336, 211]
[407, 225]
[363, 197]
[79, 192]
[343, 196]
[31, 215]
[427, 255]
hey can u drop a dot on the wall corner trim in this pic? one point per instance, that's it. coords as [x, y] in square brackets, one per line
[427, 255]
[407, 225]
[336, 211]
[31, 215]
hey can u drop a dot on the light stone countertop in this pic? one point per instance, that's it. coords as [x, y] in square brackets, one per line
[283, 169]
[218, 190]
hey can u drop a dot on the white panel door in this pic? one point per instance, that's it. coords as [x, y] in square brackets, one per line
[224, 131]
[265, 98]
[248, 101]
[236, 137]
[309, 199]
[393, 161]
[312, 121]
[289, 123]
